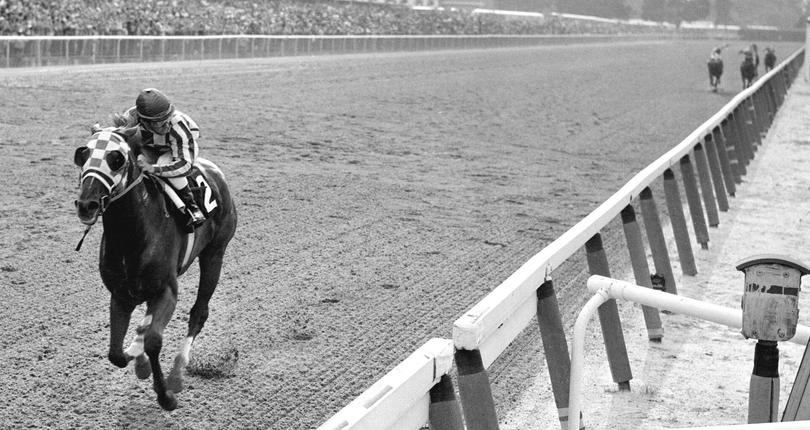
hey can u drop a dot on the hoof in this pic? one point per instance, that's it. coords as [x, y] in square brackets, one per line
[168, 401]
[117, 359]
[142, 368]
[175, 381]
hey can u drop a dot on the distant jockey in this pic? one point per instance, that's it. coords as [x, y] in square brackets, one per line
[169, 143]
[715, 65]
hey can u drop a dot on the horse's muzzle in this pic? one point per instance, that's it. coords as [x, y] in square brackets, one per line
[88, 211]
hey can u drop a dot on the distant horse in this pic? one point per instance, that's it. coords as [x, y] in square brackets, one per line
[770, 58]
[144, 249]
[715, 65]
[748, 69]
[715, 72]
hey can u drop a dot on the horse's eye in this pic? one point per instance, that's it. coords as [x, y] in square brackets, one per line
[81, 155]
[115, 160]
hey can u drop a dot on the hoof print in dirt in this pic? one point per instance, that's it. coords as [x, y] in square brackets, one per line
[222, 365]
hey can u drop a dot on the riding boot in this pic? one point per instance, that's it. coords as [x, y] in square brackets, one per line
[197, 217]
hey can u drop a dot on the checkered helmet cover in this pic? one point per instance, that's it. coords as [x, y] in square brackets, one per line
[102, 143]
[153, 105]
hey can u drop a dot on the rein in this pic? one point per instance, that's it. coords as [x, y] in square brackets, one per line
[105, 202]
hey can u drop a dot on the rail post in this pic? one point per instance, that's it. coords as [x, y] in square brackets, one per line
[725, 163]
[706, 191]
[641, 270]
[555, 348]
[475, 391]
[759, 115]
[718, 180]
[693, 199]
[678, 222]
[751, 123]
[444, 412]
[657, 242]
[736, 137]
[744, 133]
[609, 318]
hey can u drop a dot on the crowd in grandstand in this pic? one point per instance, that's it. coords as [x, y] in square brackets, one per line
[273, 17]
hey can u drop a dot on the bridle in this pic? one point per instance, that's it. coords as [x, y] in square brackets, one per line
[116, 190]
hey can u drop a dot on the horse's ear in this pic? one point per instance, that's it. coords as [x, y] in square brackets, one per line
[115, 160]
[133, 137]
[127, 132]
[81, 155]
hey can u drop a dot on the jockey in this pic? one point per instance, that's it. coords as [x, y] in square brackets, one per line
[715, 55]
[169, 144]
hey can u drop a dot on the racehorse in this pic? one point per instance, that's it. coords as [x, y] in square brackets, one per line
[144, 248]
[715, 72]
[748, 69]
[770, 58]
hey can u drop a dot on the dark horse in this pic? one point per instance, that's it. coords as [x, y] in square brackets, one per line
[770, 58]
[715, 72]
[144, 249]
[749, 66]
[748, 71]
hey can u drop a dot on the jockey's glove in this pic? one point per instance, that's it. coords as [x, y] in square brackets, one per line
[145, 166]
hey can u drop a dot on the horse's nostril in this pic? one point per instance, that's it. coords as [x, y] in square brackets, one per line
[87, 206]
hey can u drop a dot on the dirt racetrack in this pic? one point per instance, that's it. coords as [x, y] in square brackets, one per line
[379, 197]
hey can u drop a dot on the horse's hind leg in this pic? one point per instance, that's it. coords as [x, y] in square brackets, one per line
[161, 310]
[210, 269]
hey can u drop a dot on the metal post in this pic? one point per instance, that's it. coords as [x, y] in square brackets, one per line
[705, 179]
[555, 347]
[641, 270]
[657, 242]
[745, 152]
[678, 221]
[717, 175]
[609, 318]
[763, 390]
[444, 412]
[797, 407]
[693, 198]
[736, 156]
[725, 163]
[758, 117]
[475, 391]
[751, 122]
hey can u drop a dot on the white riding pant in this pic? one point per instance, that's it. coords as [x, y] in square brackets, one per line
[179, 182]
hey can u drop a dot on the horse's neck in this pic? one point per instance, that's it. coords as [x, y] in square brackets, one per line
[129, 220]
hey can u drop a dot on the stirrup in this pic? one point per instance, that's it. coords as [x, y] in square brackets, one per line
[196, 218]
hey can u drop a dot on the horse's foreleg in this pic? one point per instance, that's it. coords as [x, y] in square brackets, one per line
[142, 367]
[161, 310]
[175, 380]
[120, 314]
[210, 269]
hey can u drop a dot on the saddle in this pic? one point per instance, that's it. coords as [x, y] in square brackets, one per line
[203, 194]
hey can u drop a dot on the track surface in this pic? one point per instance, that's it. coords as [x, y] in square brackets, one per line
[379, 198]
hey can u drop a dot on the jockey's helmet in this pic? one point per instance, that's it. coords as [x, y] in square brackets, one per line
[153, 105]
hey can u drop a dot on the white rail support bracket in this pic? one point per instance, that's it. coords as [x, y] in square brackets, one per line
[400, 399]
